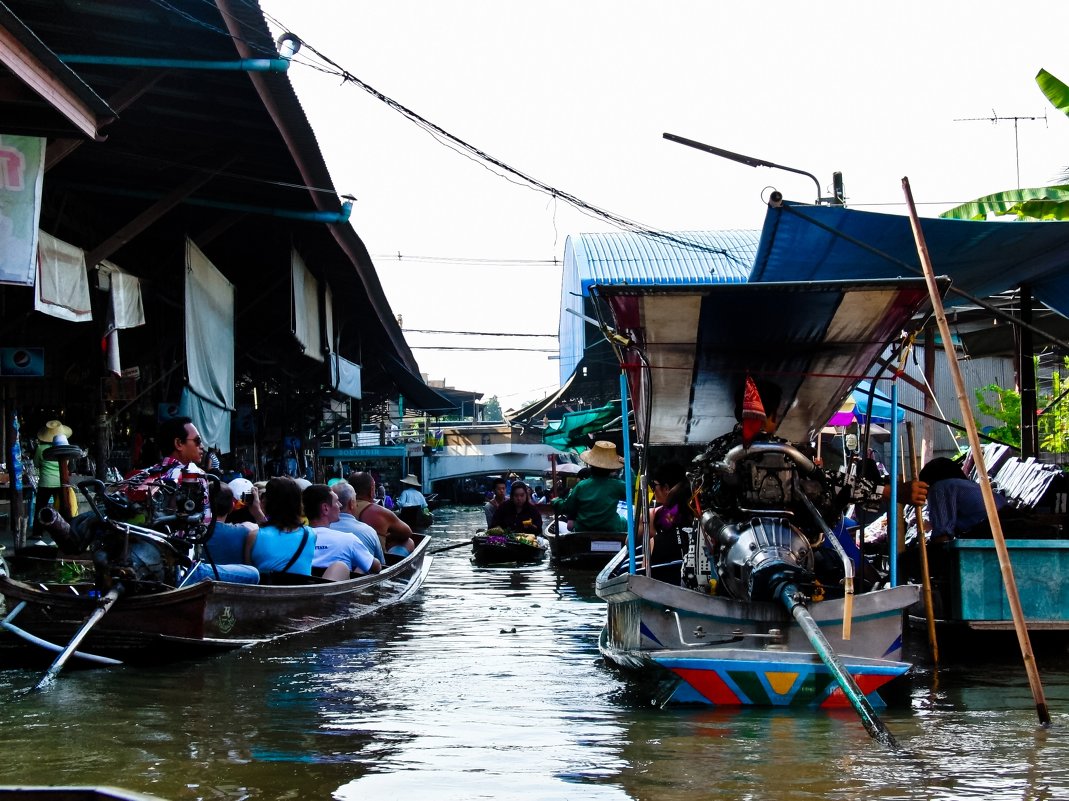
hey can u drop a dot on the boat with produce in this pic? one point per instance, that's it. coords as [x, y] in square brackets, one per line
[497, 546]
[765, 607]
[123, 588]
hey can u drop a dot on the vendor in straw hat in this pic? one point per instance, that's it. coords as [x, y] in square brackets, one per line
[49, 484]
[593, 502]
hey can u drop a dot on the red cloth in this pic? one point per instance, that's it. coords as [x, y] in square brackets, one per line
[753, 413]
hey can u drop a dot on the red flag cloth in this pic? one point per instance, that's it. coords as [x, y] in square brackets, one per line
[753, 413]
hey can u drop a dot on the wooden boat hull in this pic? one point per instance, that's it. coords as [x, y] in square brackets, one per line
[72, 793]
[585, 550]
[490, 551]
[205, 617]
[736, 652]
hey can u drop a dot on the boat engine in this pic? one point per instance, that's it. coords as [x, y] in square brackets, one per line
[755, 528]
[141, 538]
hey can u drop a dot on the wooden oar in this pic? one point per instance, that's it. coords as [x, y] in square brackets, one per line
[793, 598]
[926, 576]
[1008, 579]
[76, 640]
[465, 544]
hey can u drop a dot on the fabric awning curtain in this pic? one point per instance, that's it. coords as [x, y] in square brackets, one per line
[62, 283]
[345, 376]
[305, 308]
[209, 318]
[22, 169]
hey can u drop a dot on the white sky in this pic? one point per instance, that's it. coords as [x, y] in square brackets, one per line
[578, 93]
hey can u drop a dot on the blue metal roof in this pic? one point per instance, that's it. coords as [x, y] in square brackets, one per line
[685, 257]
[681, 257]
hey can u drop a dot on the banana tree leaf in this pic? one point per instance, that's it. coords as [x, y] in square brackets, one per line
[1009, 202]
[1056, 91]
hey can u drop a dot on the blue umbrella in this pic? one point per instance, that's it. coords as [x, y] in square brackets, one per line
[881, 404]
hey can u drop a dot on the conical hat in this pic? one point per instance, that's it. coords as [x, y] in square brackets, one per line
[412, 481]
[51, 429]
[603, 455]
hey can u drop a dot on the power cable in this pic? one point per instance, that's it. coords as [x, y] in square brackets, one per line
[474, 333]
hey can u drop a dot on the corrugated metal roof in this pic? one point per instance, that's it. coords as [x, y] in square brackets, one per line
[684, 257]
[679, 257]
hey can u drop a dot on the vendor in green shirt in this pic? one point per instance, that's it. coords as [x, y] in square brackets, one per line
[591, 505]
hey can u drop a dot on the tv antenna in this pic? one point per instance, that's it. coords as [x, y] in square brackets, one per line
[995, 119]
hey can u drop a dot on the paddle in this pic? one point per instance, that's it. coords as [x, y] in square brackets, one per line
[98, 613]
[465, 544]
[926, 576]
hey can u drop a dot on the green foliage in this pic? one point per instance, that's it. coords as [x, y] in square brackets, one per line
[1006, 408]
[71, 572]
[1053, 421]
[1042, 203]
[492, 409]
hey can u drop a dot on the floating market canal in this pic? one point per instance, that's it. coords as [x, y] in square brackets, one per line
[489, 685]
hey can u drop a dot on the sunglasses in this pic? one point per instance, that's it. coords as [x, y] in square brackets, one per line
[196, 440]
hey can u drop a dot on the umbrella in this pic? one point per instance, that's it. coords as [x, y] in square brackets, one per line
[845, 415]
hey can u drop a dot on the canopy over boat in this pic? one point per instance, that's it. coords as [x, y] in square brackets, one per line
[825, 243]
[815, 340]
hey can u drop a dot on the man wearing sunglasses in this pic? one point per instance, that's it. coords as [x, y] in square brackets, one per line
[179, 439]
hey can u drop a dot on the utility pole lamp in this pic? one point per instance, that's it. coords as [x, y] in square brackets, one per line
[838, 197]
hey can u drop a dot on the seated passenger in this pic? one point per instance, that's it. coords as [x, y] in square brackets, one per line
[394, 533]
[347, 520]
[592, 503]
[224, 553]
[955, 502]
[284, 544]
[671, 491]
[412, 505]
[337, 553]
[518, 514]
[498, 498]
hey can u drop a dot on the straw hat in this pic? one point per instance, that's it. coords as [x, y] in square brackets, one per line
[52, 429]
[603, 455]
[412, 481]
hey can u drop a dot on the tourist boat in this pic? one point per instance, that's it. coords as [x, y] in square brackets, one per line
[140, 613]
[497, 548]
[747, 625]
[583, 550]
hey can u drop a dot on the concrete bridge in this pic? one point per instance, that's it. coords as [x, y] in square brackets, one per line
[450, 452]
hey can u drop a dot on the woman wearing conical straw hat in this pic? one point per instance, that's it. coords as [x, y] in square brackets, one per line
[592, 503]
[49, 484]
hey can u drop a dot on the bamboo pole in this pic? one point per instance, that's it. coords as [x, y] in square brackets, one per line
[926, 576]
[978, 459]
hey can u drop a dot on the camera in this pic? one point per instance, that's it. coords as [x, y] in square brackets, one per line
[247, 497]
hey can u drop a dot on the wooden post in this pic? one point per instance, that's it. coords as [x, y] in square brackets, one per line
[978, 460]
[928, 426]
[926, 575]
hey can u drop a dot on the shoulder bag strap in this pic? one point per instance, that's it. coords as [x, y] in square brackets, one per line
[297, 553]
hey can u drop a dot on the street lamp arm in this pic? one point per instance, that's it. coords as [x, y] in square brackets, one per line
[749, 161]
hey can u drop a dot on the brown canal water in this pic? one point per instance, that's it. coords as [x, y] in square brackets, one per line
[489, 685]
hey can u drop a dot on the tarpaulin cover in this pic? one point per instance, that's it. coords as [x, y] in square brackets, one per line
[813, 243]
[345, 376]
[573, 430]
[815, 341]
[305, 308]
[209, 397]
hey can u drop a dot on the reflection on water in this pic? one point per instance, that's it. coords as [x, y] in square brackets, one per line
[489, 685]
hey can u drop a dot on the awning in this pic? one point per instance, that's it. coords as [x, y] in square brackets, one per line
[832, 243]
[413, 389]
[538, 409]
[573, 430]
[815, 341]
